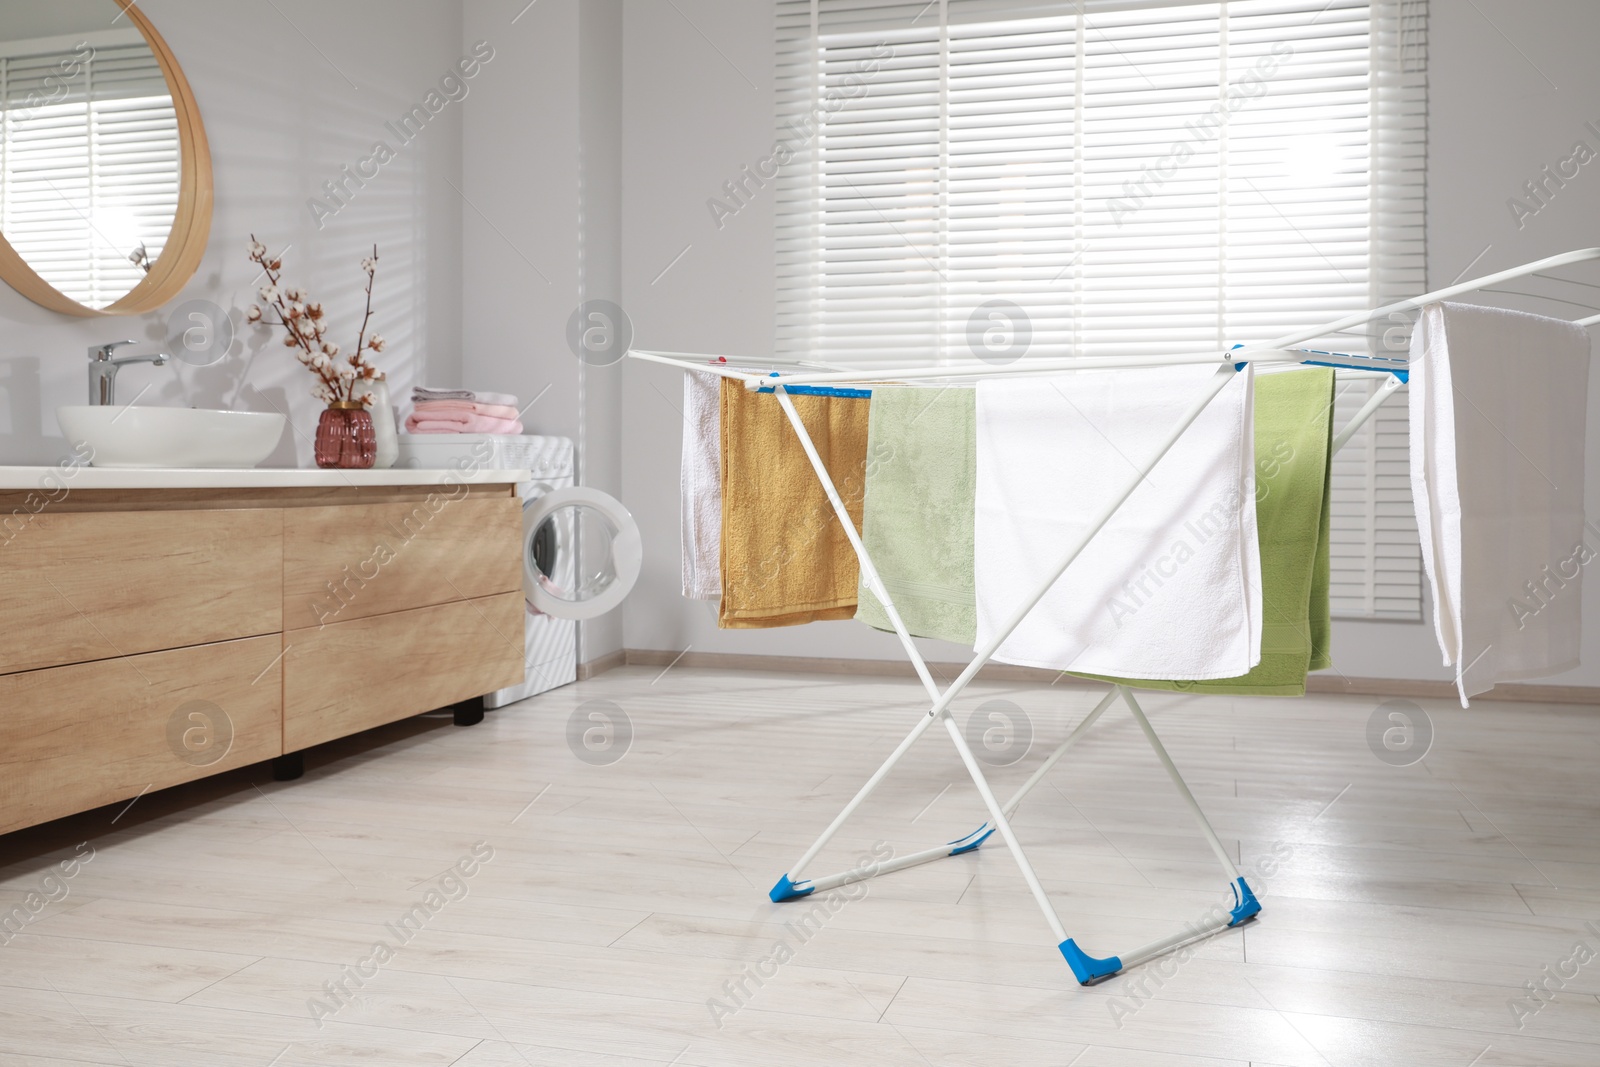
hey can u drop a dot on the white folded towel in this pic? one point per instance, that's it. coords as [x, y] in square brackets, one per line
[700, 485]
[1170, 588]
[1497, 407]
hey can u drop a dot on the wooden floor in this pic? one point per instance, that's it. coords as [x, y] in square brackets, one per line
[624, 905]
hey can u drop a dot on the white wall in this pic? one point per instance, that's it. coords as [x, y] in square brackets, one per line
[600, 252]
[520, 230]
[283, 116]
[698, 104]
[541, 230]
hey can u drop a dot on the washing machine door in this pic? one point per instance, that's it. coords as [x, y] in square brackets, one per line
[581, 552]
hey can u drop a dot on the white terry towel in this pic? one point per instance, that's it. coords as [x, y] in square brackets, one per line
[1170, 588]
[700, 485]
[1497, 407]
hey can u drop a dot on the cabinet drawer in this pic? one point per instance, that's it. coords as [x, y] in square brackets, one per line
[74, 738]
[81, 587]
[351, 676]
[355, 562]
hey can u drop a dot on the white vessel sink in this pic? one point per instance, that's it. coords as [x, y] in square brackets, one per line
[171, 437]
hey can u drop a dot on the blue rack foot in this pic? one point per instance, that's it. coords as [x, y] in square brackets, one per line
[1248, 905]
[786, 890]
[973, 840]
[1085, 967]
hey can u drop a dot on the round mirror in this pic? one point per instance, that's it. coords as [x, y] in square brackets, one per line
[105, 174]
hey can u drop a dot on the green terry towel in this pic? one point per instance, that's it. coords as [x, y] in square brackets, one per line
[917, 520]
[1294, 435]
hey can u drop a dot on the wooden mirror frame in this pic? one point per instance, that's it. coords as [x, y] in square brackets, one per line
[191, 223]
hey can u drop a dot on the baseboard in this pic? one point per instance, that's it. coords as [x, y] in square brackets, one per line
[1515, 693]
[601, 664]
[1000, 672]
[872, 668]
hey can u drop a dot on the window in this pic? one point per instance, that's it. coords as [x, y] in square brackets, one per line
[1031, 178]
[88, 160]
[1376, 567]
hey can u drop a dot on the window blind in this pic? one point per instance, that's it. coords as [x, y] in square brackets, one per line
[1375, 561]
[1019, 179]
[88, 164]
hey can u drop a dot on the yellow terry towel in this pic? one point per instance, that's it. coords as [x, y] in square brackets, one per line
[785, 558]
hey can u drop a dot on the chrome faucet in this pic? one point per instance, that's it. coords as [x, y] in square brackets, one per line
[103, 370]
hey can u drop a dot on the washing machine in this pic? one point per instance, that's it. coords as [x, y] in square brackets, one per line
[580, 548]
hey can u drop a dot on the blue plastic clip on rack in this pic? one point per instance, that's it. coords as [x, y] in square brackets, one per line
[818, 390]
[1396, 367]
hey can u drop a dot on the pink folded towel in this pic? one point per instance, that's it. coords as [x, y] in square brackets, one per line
[446, 409]
[462, 424]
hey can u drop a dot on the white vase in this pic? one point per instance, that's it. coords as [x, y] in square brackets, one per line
[383, 427]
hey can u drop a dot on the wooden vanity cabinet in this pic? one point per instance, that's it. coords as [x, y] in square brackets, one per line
[433, 657]
[153, 637]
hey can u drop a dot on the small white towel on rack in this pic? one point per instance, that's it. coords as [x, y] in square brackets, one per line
[1498, 402]
[700, 486]
[1170, 588]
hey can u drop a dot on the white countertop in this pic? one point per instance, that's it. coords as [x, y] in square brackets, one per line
[252, 478]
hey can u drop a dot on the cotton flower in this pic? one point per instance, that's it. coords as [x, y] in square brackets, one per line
[305, 325]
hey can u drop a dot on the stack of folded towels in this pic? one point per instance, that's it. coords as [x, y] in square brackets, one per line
[462, 411]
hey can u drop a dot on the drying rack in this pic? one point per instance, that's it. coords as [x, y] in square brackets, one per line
[815, 378]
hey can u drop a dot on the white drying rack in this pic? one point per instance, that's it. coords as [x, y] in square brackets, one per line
[814, 378]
